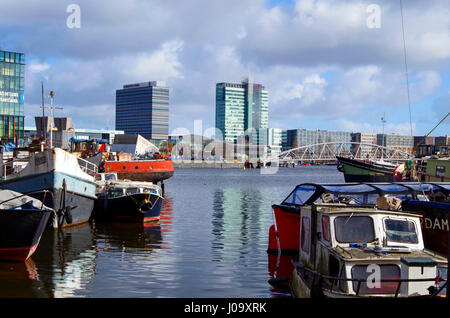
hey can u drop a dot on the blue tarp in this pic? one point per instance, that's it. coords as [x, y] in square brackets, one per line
[9, 147]
[100, 141]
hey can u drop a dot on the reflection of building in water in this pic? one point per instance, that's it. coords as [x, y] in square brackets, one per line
[69, 259]
[238, 218]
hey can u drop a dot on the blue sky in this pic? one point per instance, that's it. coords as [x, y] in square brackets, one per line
[323, 66]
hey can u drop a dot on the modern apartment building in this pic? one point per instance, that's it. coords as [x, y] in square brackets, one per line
[400, 142]
[365, 138]
[143, 108]
[12, 83]
[241, 110]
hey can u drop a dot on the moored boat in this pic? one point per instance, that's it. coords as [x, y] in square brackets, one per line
[69, 180]
[127, 200]
[23, 220]
[284, 235]
[350, 251]
[151, 170]
[355, 170]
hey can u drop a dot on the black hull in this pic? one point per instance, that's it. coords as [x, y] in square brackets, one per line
[369, 178]
[71, 209]
[21, 231]
[129, 208]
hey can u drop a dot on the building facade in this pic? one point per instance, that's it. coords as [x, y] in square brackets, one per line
[362, 151]
[394, 141]
[143, 109]
[12, 83]
[242, 109]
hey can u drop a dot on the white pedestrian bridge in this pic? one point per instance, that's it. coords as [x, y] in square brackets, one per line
[328, 151]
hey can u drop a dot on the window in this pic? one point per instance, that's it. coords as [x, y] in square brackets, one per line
[300, 195]
[387, 271]
[305, 235]
[401, 231]
[354, 229]
[326, 228]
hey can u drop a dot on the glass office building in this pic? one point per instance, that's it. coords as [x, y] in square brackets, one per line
[242, 110]
[12, 75]
[143, 109]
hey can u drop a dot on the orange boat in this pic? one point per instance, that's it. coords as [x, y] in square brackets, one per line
[150, 170]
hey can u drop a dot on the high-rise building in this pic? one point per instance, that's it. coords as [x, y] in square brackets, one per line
[12, 74]
[143, 108]
[241, 110]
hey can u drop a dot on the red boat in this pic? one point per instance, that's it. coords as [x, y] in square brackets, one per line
[141, 170]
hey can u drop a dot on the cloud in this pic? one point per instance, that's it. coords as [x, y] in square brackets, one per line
[318, 59]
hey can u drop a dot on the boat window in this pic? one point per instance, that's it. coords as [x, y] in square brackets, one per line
[305, 235]
[110, 176]
[401, 231]
[115, 192]
[132, 190]
[354, 229]
[326, 227]
[386, 271]
[354, 188]
[300, 195]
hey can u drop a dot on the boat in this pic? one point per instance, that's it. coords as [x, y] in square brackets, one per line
[127, 200]
[148, 170]
[69, 180]
[284, 235]
[435, 225]
[349, 248]
[436, 170]
[23, 219]
[356, 170]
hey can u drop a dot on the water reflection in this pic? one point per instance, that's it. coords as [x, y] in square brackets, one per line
[128, 237]
[237, 220]
[66, 260]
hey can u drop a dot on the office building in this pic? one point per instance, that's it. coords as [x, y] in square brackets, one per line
[362, 151]
[12, 82]
[394, 141]
[143, 109]
[241, 110]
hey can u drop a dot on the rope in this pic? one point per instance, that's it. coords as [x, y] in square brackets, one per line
[406, 68]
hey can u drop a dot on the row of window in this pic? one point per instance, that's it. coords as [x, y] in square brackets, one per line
[12, 57]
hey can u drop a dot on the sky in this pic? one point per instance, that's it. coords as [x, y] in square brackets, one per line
[327, 64]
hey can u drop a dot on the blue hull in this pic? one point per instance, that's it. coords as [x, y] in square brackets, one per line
[72, 197]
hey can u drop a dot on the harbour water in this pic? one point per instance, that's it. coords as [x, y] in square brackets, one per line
[211, 241]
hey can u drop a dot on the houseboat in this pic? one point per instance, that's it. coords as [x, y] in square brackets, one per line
[69, 182]
[284, 235]
[126, 200]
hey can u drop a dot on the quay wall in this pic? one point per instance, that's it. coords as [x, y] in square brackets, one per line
[205, 164]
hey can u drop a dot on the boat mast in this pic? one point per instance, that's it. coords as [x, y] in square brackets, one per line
[383, 121]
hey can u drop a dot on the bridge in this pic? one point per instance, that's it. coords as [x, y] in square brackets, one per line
[327, 152]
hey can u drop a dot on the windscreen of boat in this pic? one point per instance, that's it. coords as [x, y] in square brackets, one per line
[401, 231]
[132, 190]
[354, 229]
[110, 176]
[300, 195]
[426, 187]
[357, 194]
[397, 190]
[386, 271]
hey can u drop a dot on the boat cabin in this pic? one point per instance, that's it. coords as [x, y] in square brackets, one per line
[349, 247]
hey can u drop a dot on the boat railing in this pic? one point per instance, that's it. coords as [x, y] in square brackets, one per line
[335, 280]
[88, 167]
[11, 166]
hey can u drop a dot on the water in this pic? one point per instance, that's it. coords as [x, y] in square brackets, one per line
[211, 241]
